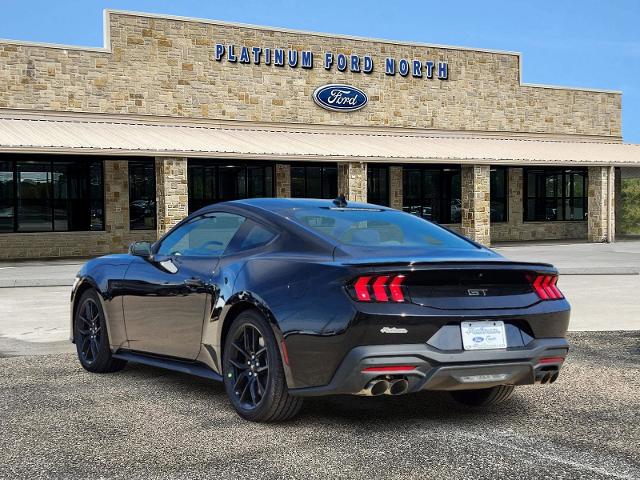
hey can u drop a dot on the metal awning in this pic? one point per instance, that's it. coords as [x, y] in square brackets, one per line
[181, 137]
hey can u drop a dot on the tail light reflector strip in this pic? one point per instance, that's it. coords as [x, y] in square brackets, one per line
[379, 288]
[362, 289]
[390, 368]
[545, 287]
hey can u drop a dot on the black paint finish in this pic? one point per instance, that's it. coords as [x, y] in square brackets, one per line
[299, 281]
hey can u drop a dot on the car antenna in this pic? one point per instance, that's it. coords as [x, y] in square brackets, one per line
[340, 201]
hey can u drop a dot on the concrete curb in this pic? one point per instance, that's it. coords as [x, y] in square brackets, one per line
[599, 271]
[44, 282]
[58, 282]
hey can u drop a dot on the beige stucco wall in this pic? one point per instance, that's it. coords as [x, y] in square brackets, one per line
[167, 67]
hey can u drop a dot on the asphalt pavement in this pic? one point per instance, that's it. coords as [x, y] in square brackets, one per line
[59, 421]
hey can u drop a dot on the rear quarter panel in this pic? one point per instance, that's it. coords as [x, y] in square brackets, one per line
[310, 309]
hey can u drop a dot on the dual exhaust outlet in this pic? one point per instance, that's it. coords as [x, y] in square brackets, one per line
[381, 386]
[545, 377]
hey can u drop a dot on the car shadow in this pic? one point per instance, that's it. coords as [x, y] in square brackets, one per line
[344, 409]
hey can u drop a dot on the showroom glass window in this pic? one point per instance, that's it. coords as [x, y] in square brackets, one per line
[555, 194]
[378, 185]
[498, 196]
[211, 182]
[45, 194]
[142, 194]
[314, 180]
[433, 193]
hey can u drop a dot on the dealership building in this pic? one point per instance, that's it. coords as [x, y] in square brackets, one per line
[103, 146]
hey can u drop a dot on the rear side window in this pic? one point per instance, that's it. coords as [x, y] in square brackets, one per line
[378, 228]
[252, 235]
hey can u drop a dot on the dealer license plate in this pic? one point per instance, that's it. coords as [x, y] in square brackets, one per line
[483, 335]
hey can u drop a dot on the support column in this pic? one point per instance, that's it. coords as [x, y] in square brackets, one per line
[352, 181]
[475, 203]
[116, 203]
[283, 180]
[601, 217]
[618, 202]
[171, 192]
[395, 187]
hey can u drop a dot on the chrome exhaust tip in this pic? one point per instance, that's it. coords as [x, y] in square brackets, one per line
[376, 387]
[398, 386]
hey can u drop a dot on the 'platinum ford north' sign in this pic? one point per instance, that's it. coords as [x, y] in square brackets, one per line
[340, 98]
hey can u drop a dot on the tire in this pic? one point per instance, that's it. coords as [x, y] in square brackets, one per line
[91, 338]
[483, 397]
[253, 373]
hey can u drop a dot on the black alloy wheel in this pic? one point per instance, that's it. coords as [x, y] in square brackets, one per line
[90, 336]
[253, 372]
[89, 331]
[249, 362]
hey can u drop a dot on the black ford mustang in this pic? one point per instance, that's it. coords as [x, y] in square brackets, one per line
[283, 298]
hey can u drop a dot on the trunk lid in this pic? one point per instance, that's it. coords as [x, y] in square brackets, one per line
[463, 280]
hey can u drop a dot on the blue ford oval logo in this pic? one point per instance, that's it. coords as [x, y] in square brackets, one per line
[340, 98]
[478, 339]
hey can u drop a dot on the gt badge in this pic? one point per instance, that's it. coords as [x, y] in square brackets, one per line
[477, 292]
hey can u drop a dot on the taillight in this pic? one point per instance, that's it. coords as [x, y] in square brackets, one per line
[545, 287]
[362, 289]
[379, 288]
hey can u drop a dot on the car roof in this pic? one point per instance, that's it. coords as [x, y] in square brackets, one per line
[280, 204]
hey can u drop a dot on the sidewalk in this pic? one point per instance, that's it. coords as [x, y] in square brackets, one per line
[39, 273]
[620, 258]
[601, 282]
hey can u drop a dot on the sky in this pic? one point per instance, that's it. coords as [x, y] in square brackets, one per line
[584, 43]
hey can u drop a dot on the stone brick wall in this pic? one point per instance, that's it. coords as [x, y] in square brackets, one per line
[599, 196]
[352, 181]
[515, 229]
[167, 67]
[115, 238]
[395, 187]
[283, 180]
[474, 181]
[171, 192]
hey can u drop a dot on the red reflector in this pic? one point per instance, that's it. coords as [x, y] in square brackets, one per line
[551, 360]
[396, 289]
[390, 368]
[378, 289]
[285, 353]
[362, 289]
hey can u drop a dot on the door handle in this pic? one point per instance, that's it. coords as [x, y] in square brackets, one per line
[194, 283]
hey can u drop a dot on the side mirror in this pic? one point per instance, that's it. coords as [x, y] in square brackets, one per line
[140, 249]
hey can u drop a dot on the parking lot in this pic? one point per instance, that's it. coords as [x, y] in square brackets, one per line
[59, 421]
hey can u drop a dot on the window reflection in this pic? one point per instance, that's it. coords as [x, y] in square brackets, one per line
[211, 182]
[555, 194]
[433, 193]
[498, 194]
[378, 185]
[314, 181]
[142, 194]
[44, 194]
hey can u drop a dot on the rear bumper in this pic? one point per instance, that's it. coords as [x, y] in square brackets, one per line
[439, 370]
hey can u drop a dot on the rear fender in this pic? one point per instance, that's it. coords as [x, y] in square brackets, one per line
[238, 302]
